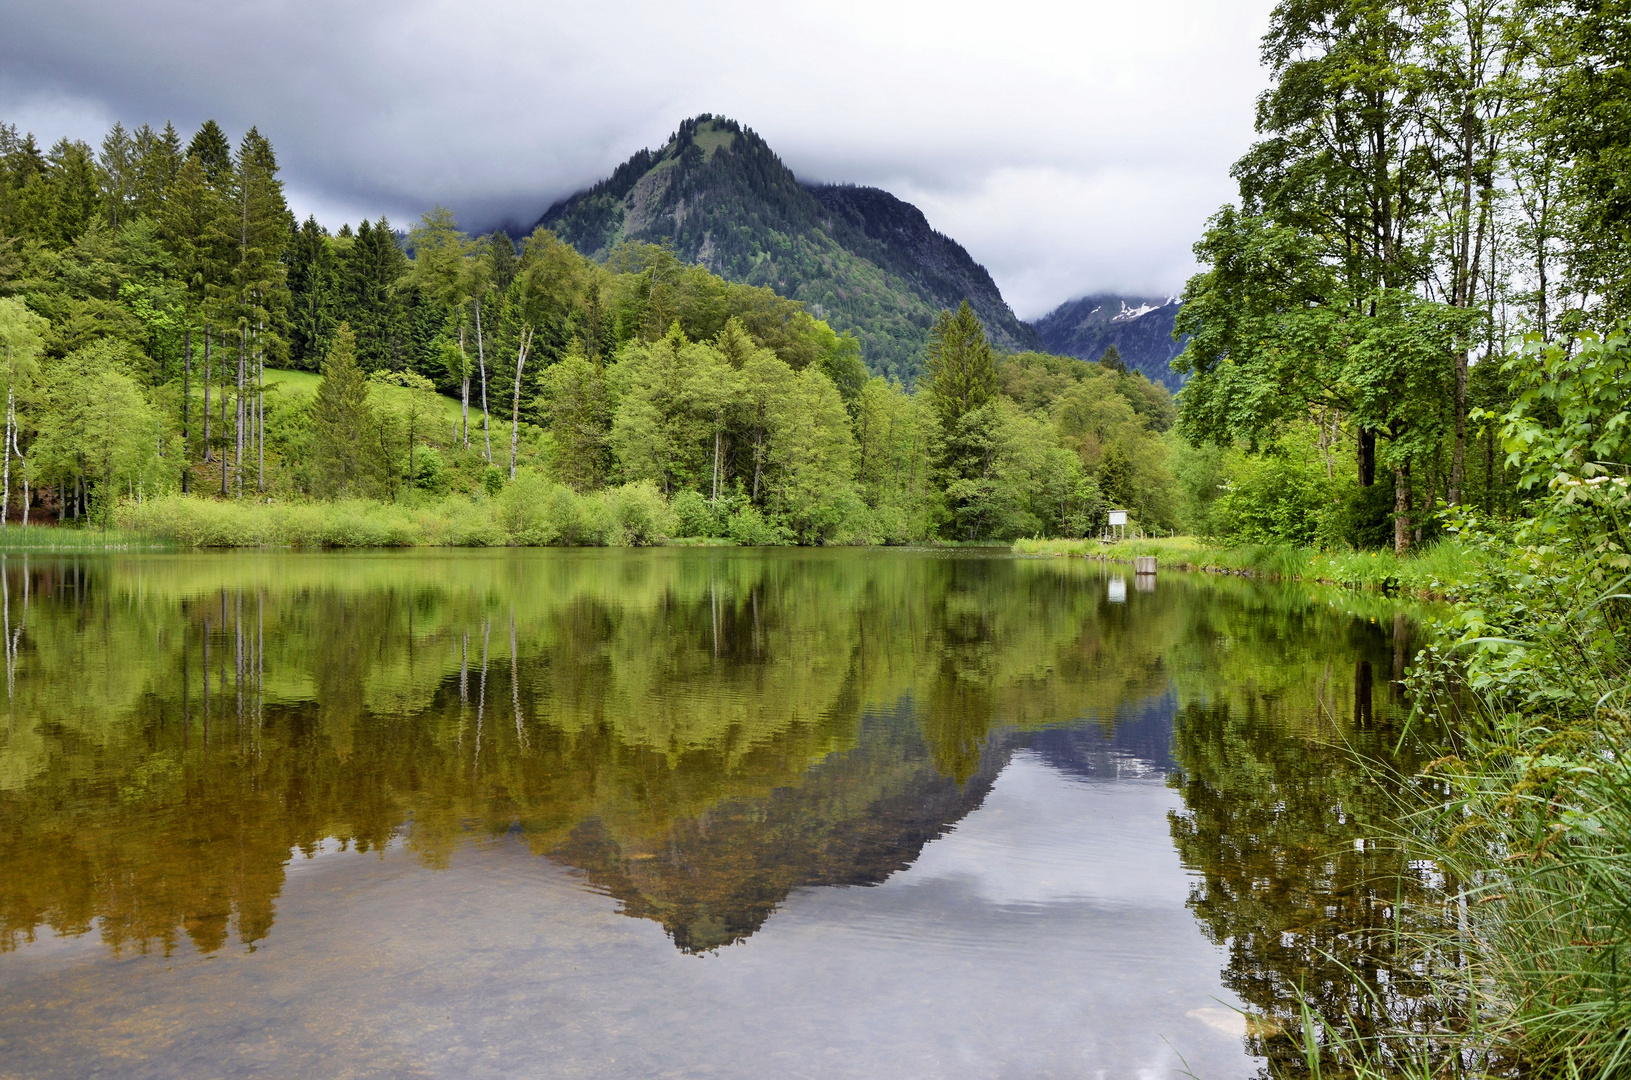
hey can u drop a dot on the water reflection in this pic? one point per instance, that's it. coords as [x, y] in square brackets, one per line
[706, 737]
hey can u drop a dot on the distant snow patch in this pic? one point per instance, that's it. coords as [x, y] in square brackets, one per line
[1128, 314]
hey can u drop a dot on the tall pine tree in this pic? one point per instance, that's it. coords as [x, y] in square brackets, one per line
[313, 279]
[342, 423]
[961, 382]
[961, 374]
[213, 151]
[370, 267]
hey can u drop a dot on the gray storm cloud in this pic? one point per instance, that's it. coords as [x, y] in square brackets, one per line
[1070, 147]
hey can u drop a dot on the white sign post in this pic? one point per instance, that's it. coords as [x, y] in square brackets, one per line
[1118, 521]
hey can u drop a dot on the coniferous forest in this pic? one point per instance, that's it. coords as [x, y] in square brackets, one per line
[170, 329]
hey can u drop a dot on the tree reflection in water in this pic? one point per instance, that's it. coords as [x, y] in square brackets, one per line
[698, 732]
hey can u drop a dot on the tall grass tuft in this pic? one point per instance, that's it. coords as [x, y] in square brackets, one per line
[1431, 570]
[530, 511]
[1538, 831]
[55, 538]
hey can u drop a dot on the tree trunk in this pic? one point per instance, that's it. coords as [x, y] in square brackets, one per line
[5, 482]
[186, 406]
[226, 455]
[242, 411]
[1540, 269]
[260, 417]
[1367, 457]
[1326, 441]
[1458, 456]
[22, 465]
[1401, 509]
[481, 360]
[758, 460]
[464, 394]
[515, 404]
[208, 454]
[1432, 495]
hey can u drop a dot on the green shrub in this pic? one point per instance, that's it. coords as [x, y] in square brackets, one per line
[429, 470]
[460, 522]
[639, 515]
[1367, 516]
[1280, 497]
[576, 520]
[750, 528]
[693, 516]
[522, 510]
[879, 525]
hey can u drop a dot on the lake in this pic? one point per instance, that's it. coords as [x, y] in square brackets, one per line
[686, 812]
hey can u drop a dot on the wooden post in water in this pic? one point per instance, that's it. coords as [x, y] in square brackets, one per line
[1144, 564]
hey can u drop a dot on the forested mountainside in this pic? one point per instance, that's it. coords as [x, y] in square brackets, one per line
[858, 257]
[1140, 327]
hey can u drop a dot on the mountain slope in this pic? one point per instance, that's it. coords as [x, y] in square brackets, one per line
[1140, 328]
[858, 257]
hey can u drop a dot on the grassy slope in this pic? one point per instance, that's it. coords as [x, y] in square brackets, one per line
[303, 385]
[1432, 571]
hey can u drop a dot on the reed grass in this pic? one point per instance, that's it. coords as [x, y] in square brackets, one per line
[51, 538]
[1432, 570]
[1538, 830]
[1525, 950]
[526, 514]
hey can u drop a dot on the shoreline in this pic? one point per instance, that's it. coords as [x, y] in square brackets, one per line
[1429, 573]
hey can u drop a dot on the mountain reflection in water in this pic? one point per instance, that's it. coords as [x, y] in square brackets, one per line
[701, 735]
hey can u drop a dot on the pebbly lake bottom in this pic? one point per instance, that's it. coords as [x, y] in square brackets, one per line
[672, 814]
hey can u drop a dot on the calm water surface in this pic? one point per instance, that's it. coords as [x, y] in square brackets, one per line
[716, 813]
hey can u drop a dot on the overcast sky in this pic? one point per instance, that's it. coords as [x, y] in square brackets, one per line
[1071, 147]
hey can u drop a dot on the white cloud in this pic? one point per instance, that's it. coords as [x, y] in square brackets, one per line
[1070, 147]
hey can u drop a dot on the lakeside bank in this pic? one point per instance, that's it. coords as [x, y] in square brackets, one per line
[1429, 572]
[637, 515]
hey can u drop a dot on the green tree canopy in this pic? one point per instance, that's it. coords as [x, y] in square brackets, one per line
[343, 422]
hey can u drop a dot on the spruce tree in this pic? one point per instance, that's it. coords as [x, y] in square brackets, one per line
[118, 163]
[260, 278]
[342, 423]
[1111, 360]
[158, 158]
[75, 192]
[1115, 478]
[312, 282]
[369, 270]
[213, 152]
[961, 382]
[961, 374]
[500, 251]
